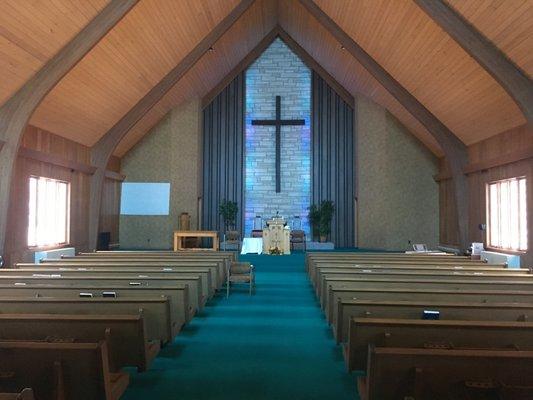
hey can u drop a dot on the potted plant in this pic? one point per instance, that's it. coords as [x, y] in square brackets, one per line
[327, 209]
[228, 211]
[314, 220]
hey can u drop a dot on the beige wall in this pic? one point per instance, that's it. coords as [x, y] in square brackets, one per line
[169, 153]
[398, 199]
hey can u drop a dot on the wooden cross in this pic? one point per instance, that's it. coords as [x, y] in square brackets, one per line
[278, 123]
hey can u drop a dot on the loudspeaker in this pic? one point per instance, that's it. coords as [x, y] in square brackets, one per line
[104, 238]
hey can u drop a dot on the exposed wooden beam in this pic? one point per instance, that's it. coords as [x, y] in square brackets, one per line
[114, 176]
[243, 65]
[104, 148]
[59, 161]
[315, 66]
[454, 150]
[56, 160]
[500, 161]
[517, 84]
[16, 112]
[506, 159]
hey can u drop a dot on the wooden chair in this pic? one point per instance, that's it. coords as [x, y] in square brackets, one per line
[240, 272]
[298, 237]
[257, 233]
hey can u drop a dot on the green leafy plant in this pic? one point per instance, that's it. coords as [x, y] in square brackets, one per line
[320, 217]
[327, 210]
[228, 211]
[314, 219]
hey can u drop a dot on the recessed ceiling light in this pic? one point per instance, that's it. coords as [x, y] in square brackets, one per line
[342, 47]
[211, 49]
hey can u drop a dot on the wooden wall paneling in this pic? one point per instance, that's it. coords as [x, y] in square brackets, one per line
[110, 210]
[510, 77]
[45, 143]
[16, 112]
[42, 142]
[56, 160]
[452, 146]
[501, 146]
[106, 145]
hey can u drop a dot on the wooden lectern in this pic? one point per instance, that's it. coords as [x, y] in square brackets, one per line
[276, 237]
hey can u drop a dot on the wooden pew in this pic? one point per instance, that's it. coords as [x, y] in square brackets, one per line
[434, 276]
[156, 311]
[344, 271]
[180, 312]
[229, 255]
[208, 275]
[205, 286]
[219, 266]
[72, 370]
[415, 310]
[415, 333]
[192, 283]
[126, 336]
[322, 267]
[443, 284]
[318, 254]
[336, 294]
[25, 394]
[439, 374]
[342, 258]
[226, 256]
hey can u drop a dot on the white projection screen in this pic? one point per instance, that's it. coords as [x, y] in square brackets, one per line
[141, 198]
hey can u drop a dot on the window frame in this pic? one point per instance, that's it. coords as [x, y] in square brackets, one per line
[67, 214]
[488, 244]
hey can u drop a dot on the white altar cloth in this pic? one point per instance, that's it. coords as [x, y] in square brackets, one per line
[252, 246]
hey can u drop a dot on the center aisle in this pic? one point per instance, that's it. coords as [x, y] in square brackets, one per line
[274, 345]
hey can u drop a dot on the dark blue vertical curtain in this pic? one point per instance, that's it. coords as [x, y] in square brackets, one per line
[333, 159]
[223, 154]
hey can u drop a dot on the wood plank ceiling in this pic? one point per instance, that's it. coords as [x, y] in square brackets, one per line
[157, 34]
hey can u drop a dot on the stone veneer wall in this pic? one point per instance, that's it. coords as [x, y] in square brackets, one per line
[169, 153]
[278, 72]
[398, 199]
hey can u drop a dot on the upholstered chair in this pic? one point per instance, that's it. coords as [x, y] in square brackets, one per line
[298, 237]
[240, 272]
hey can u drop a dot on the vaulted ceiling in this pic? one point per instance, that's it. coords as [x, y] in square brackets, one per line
[152, 38]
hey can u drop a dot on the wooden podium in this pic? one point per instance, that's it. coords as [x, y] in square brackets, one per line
[179, 235]
[276, 236]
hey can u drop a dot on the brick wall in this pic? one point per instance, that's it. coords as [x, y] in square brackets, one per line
[278, 72]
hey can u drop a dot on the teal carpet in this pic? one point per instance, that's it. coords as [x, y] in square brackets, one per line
[274, 345]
